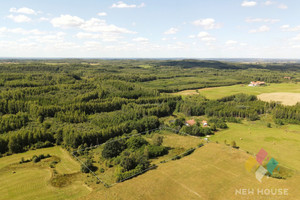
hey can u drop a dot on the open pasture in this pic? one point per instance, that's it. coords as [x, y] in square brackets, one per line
[32, 180]
[219, 92]
[214, 171]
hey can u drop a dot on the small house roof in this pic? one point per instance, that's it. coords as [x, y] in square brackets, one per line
[191, 122]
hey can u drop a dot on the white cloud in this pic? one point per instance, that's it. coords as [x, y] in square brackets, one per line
[106, 37]
[171, 31]
[268, 3]
[297, 38]
[288, 28]
[203, 34]
[82, 35]
[102, 30]
[260, 29]
[282, 6]
[27, 32]
[50, 38]
[62, 45]
[206, 37]
[231, 42]
[19, 18]
[67, 21]
[98, 25]
[44, 19]
[249, 3]
[121, 4]
[252, 20]
[23, 10]
[166, 39]
[92, 45]
[102, 14]
[208, 23]
[296, 46]
[140, 39]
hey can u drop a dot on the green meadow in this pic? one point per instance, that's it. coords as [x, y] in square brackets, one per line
[281, 142]
[219, 92]
[33, 181]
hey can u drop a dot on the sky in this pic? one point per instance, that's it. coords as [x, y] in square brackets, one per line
[150, 28]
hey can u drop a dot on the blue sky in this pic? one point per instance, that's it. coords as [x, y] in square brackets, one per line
[150, 28]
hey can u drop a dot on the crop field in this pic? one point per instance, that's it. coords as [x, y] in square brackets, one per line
[196, 177]
[32, 181]
[219, 92]
[283, 97]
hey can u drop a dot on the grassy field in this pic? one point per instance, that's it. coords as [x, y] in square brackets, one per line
[32, 181]
[214, 171]
[219, 92]
[177, 145]
[281, 142]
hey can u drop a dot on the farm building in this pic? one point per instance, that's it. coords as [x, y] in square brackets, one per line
[190, 122]
[204, 123]
[256, 83]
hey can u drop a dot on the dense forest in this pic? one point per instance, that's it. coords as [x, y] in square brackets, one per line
[87, 102]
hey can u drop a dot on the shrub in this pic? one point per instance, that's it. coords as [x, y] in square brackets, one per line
[217, 123]
[54, 162]
[112, 149]
[35, 159]
[158, 140]
[213, 127]
[222, 125]
[200, 145]
[233, 144]
[129, 174]
[136, 142]
[279, 122]
[188, 152]
[108, 163]
[179, 122]
[253, 117]
[40, 145]
[177, 157]
[87, 166]
[128, 163]
[156, 151]
[129, 160]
